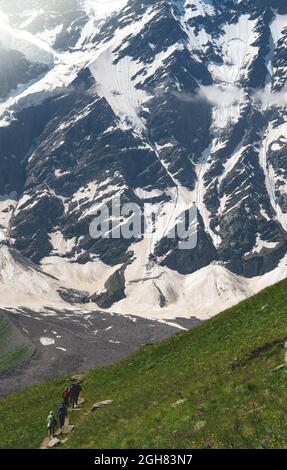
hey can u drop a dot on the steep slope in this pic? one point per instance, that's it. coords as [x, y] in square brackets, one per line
[17, 70]
[14, 347]
[222, 371]
[174, 105]
[61, 285]
[23, 283]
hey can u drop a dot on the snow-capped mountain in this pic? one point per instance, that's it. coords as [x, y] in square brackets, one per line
[167, 104]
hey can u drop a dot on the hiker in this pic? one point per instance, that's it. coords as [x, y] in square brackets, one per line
[73, 395]
[62, 415]
[51, 424]
[66, 396]
[78, 391]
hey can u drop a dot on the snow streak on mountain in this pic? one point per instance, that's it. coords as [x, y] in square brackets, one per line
[166, 103]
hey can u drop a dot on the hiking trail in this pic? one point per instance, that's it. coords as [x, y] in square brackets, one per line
[69, 428]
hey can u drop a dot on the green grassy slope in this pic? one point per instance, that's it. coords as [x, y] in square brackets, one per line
[14, 348]
[223, 369]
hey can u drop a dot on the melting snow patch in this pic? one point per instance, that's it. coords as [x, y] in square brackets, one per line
[45, 341]
[237, 49]
[277, 26]
[276, 146]
[148, 194]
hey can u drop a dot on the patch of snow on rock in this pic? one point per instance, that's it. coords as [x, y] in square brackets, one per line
[46, 341]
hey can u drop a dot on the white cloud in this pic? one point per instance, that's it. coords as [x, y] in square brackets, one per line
[222, 97]
[215, 95]
[268, 99]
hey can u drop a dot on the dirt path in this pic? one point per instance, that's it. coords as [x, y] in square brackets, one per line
[68, 429]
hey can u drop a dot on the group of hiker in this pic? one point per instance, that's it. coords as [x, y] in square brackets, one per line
[58, 417]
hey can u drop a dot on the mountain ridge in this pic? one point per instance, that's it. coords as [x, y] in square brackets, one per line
[168, 103]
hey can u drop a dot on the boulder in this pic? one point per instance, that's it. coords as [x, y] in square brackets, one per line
[199, 426]
[179, 402]
[55, 442]
[77, 378]
[101, 404]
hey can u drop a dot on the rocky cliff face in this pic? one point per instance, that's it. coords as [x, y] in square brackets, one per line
[168, 104]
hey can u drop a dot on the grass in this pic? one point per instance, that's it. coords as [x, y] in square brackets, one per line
[14, 348]
[223, 369]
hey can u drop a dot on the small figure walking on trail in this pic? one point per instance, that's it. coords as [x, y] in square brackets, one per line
[66, 396]
[73, 395]
[51, 424]
[62, 415]
[78, 391]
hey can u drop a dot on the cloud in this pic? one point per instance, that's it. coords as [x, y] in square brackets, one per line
[267, 99]
[215, 95]
[221, 97]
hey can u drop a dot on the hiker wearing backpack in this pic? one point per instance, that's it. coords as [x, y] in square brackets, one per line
[66, 396]
[51, 425]
[78, 391]
[62, 414]
[73, 395]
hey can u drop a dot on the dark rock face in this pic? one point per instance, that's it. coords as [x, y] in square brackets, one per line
[15, 70]
[73, 296]
[187, 261]
[181, 111]
[31, 226]
[114, 290]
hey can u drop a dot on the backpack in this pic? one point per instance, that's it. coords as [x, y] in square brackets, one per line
[51, 421]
